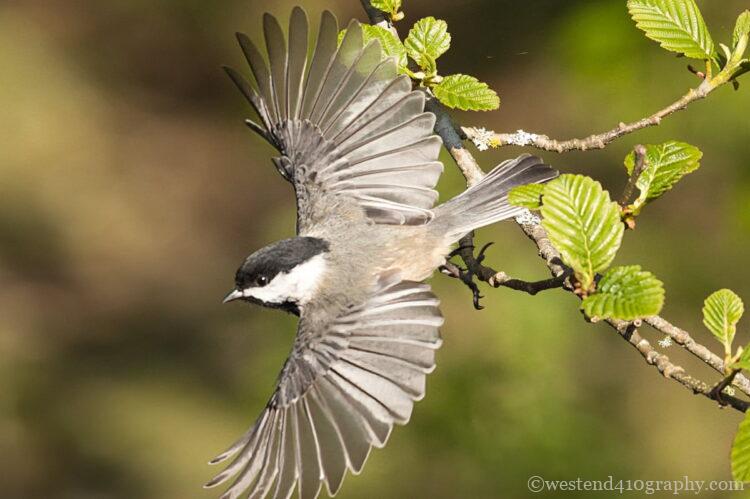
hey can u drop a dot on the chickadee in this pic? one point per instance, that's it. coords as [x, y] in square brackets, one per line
[360, 151]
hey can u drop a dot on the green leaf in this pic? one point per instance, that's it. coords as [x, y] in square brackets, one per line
[744, 361]
[391, 45]
[676, 24]
[527, 196]
[665, 165]
[583, 224]
[722, 311]
[742, 28]
[466, 93]
[626, 293]
[428, 36]
[389, 6]
[428, 64]
[741, 451]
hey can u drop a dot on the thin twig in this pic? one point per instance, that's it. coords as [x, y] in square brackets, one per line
[530, 287]
[476, 267]
[718, 391]
[671, 371]
[683, 338]
[597, 141]
[640, 163]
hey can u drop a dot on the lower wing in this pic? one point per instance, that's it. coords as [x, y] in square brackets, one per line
[338, 395]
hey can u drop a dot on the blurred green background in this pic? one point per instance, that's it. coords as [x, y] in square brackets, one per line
[130, 191]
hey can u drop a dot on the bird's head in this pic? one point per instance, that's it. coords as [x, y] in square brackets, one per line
[284, 275]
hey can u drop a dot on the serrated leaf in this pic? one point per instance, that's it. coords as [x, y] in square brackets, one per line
[583, 224]
[741, 451]
[466, 93]
[665, 165]
[626, 293]
[722, 311]
[428, 36]
[389, 6]
[527, 196]
[741, 28]
[391, 45]
[676, 24]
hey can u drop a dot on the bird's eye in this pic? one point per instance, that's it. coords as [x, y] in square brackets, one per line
[261, 280]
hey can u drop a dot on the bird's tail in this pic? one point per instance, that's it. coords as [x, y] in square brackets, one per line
[486, 202]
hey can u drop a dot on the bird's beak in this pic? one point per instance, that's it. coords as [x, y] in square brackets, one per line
[234, 295]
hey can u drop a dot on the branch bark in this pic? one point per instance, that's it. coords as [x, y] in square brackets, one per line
[629, 332]
[683, 338]
[596, 141]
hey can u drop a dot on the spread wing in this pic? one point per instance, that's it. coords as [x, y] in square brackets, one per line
[343, 387]
[344, 122]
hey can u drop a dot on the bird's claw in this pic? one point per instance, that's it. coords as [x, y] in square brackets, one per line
[481, 255]
[466, 275]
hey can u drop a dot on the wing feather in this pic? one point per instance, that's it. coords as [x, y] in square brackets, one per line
[288, 461]
[355, 430]
[351, 83]
[311, 481]
[298, 33]
[325, 51]
[347, 55]
[250, 461]
[277, 58]
[349, 116]
[339, 394]
[370, 90]
[373, 414]
[395, 402]
[394, 91]
[332, 452]
[405, 376]
[271, 464]
[261, 74]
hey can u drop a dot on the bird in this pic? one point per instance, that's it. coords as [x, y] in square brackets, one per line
[361, 153]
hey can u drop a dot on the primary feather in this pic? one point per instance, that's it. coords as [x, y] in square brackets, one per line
[339, 394]
[344, 122]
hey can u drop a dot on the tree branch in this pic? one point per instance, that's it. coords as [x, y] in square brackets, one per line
[597, 141]
[531, 226]
[629, 333]
[683, 338]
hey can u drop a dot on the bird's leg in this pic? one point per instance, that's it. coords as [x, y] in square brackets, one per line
[475, 268]
[466, 275]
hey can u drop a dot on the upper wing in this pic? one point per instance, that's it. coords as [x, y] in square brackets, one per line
[339, 394]
[344, 122]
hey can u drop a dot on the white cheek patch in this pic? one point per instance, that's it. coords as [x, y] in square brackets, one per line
[298, 285]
